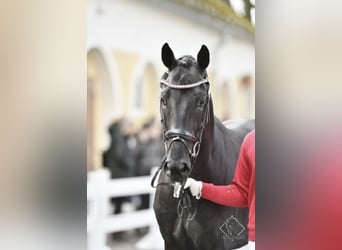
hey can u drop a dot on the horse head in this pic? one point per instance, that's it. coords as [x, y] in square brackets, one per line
[184, 108]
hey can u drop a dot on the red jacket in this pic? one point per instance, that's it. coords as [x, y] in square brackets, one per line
[241, 193]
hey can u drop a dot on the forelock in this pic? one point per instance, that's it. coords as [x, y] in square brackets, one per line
[186, 61]
[186, 70]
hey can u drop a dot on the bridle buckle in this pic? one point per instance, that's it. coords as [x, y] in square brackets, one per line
[196, 149]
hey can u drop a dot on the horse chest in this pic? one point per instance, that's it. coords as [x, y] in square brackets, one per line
[205, 231]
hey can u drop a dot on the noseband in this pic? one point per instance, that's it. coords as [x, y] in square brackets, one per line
[174, 135]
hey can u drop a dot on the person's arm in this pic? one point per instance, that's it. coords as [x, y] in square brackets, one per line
[229, 195]
[235, 194]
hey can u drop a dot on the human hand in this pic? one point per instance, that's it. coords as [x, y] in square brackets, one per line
[195, 187]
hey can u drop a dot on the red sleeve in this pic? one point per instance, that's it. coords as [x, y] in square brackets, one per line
[235, 194]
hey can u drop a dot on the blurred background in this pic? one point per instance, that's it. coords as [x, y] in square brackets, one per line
[124, 137]
[43, 65]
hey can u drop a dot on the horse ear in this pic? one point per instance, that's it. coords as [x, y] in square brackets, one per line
[167, 56]
[203, 57]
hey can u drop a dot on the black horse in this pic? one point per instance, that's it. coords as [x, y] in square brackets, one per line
[200, 146]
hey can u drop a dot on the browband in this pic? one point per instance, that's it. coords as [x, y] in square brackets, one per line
[188, 86]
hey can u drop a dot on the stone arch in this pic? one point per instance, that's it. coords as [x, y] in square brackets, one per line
[145, 101]
[103, 103]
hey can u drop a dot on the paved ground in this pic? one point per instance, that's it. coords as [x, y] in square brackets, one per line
[124, 240]
[128, 240]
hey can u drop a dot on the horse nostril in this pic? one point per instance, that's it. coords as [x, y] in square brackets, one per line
[176, 167]
[184, 167]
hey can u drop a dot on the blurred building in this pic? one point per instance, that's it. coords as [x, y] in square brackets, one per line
[124, 63]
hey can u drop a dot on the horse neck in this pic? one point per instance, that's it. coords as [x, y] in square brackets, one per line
[212, 162]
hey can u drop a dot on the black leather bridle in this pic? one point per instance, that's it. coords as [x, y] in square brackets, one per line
[173, 135]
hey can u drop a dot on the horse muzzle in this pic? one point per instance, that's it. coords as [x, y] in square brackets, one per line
[177, 171]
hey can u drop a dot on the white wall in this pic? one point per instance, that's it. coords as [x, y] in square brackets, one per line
[137, 26]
